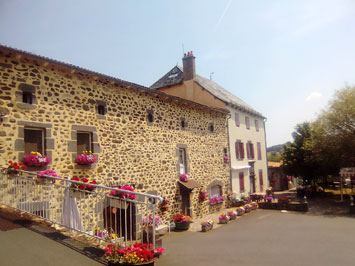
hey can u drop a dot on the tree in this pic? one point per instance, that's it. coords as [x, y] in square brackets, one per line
[333, 133]
[297, 156]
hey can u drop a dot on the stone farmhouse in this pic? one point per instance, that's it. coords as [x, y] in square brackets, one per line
[246, 127]
[142, 137]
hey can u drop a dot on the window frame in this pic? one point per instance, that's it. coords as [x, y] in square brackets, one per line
[250, 150]
[90, 141]
[258, 147]
[236, 119]
[216, 187]
[239, 150]
[247, 122]
[256, 125]
[27, 97]
[43, 144]
[182, 161]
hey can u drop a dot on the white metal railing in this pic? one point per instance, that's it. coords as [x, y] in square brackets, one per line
[95, 213]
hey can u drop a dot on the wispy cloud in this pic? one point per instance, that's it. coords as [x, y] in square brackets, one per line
[222, 16]
[314, 95]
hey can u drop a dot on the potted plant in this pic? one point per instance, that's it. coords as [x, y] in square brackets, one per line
[11, 170]
[78, 188]
[202, 196]
[123, 195]
[216, 200]
[184, 177]
[223, 218]
[240, 211]
[148, 223]
[254, 205]
[35, 159]
[182, 222]
[232, 215]
[207, 225]
[42, 176]
[86, 158]
[268, 199]
[137, 254]
[247, 208]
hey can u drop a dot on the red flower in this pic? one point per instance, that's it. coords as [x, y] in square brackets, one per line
[85, 180]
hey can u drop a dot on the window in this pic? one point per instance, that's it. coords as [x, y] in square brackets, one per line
[215, 191]
[258, 146]
[250, 150]
[247, 122]
[182, 123]
[150, 117]
[211, 128]
[27, 97]
[84, 142]
[241, 181]
[237, 122]
[261, 180]
[225, 152]
[182, 161]
[239, 150]
[257, 125]
[101, 109]
[34, 140]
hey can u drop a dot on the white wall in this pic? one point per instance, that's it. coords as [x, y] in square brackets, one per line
[245, 135]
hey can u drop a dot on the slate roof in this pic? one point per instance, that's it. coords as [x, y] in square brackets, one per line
[175, 76]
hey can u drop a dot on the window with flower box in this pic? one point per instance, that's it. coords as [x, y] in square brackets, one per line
[34, 139]
[84, 142]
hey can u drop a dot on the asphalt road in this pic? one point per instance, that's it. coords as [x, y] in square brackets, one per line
[266, 237]
[263, 237]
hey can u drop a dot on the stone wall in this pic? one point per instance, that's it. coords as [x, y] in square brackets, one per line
[130, 150]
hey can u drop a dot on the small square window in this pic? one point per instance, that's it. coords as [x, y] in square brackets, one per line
[27, 97]
[84, 142]
[211, 128]
[101, 109]
[183, 124]
[150, 117]
[34, 140]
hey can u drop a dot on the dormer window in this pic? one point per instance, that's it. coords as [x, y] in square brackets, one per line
[27, 97]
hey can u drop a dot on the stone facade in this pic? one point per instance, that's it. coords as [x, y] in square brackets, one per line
[131, 150]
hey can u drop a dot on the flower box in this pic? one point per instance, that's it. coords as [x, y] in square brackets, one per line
[86, 158]
[35, 159]
[223, 221]
[216, 200]
[232, 215]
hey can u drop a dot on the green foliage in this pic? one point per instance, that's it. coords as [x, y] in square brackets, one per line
[274, 156]
[320, 148]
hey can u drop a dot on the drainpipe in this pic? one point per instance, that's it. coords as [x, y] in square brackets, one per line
[267, 168]
[229, 115]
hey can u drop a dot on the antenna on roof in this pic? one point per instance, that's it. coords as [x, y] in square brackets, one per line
[211, 75]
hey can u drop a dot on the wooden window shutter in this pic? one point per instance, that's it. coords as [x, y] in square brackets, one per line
[241, 181]
[237, 122]
[237, 153]
[258, 145]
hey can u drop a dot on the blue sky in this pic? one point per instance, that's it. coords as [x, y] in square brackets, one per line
[284, 58]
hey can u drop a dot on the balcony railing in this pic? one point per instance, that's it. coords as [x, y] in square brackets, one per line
[94, 213]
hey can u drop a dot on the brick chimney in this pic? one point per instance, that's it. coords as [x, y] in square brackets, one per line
[188, 63]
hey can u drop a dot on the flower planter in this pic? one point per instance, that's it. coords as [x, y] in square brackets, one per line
[206, 228]
[223, 221]
[147, 263]
[233, 217]
[182, 226]
[247, 210]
